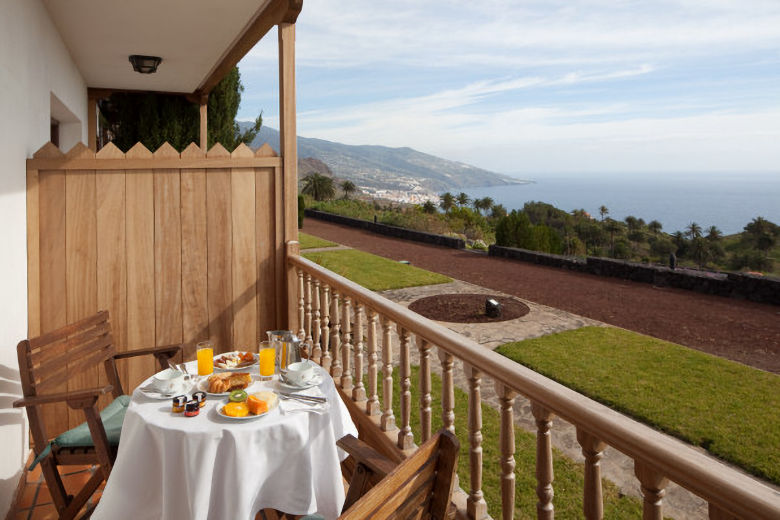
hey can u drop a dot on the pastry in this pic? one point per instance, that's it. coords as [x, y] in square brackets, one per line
[225, 382]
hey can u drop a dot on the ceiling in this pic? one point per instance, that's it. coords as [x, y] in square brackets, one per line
[191, 37]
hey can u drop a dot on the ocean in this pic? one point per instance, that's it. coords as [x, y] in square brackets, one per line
[728, 201]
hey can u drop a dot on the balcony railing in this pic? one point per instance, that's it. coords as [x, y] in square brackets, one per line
[334, 315]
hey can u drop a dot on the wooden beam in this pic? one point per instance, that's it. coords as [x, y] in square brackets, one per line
[204, 123]
[275, 12]
[92, 123]
[288, 145]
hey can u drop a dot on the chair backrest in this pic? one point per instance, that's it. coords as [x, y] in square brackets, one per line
[48, 361]
[418, 488]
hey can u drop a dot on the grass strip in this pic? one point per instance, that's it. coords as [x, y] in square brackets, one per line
[311, 242]
[374, 272]
[727, 408]
[569, 479]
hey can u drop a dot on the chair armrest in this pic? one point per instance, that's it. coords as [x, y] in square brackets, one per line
[76, 395]
[366, 455]
[157, 351]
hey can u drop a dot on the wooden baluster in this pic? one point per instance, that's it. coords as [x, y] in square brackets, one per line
[301, 301]
[653, 489]
[325, 327]
[335, 337]
[592, 450]
[476, 507]
[359, 391]
[316, 350]
[307, 320]
[405, 436]
[346, 347]
[388, 419]
[506, 398]
[544, 466]
[372, 405]
[425, 389]
[447, 390]
[716, 513]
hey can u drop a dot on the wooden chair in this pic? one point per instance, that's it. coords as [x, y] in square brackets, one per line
[46, 363]
[420, 487]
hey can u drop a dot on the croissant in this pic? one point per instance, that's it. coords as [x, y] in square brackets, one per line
[226, 382]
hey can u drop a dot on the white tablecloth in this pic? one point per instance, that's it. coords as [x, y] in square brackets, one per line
[174, 467]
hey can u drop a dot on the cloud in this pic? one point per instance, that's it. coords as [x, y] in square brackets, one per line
[556, 85]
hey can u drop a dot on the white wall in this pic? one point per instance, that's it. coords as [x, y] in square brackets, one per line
[34, 65]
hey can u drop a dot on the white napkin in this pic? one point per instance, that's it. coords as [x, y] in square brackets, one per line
[294, 405]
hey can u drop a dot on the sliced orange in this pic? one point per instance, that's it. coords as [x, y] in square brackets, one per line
[236, 409]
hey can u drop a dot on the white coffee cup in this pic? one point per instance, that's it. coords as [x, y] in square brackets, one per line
[300, 373]
[169, 381]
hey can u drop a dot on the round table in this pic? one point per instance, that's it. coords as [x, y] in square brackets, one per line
[174, 467]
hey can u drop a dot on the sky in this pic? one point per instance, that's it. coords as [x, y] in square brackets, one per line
[529, 88]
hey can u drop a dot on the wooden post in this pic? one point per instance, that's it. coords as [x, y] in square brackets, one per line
[653, 489]
[475, 505]
[359, 390]
[425, 390]
[92, 120]
[301, 304]
[544, 466]
[325, 327]
[288, 140]
[405, 436]
[307, 320]
[316, 347]
[346, 345]
[507, 441]
[293, 249]
[592, 450]
[388, 418]
[204, 123]
[335, 337]
[447, 390]
[372, 404]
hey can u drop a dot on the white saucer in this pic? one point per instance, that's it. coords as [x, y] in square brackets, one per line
[153, 394]
[316, 381]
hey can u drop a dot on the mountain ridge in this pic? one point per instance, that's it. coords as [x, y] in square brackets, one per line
[378, 167]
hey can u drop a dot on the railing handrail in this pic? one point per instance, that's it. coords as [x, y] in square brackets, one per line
[701, 474]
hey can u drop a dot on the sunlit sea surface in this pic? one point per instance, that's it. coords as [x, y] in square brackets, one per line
[728, 201]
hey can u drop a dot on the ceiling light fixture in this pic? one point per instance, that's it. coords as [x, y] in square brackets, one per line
[145, 64]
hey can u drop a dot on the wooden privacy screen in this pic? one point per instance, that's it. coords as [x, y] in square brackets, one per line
[177, 247]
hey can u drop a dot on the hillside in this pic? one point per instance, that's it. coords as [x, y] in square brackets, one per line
[382, 167]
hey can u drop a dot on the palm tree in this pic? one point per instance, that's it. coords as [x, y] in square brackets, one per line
[603, 211]
[632, 222]
[462, 199]
[484, 203]
[498, 211]
[655, 227]
[348, 187]
[318, 186]
[714, 234]
[693, 230]
[429, 207]
[447, 201]
[612, 227]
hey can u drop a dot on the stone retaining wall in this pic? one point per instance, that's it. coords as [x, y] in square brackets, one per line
[735, 285]
[393, 231]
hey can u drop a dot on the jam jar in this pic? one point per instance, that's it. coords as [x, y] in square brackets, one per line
[191, 409]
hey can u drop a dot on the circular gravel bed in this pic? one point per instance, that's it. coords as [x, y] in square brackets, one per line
[466, 308]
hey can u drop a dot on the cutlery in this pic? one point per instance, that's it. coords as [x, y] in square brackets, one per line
[304, 398]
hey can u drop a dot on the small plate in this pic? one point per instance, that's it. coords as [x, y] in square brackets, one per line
[248, 417]
[316, 381]
[203, 386]
[152, 394]
[238, 368]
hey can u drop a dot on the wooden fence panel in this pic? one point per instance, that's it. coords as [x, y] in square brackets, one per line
[178, 248]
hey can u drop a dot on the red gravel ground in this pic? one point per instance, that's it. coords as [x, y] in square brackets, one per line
[739, 330]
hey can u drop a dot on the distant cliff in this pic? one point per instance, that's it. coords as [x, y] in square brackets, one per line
[383, 167]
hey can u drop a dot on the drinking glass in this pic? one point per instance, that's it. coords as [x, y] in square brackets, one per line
[266, 357]
[205, 358]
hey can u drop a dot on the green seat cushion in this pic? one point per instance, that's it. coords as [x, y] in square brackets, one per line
[112, 417]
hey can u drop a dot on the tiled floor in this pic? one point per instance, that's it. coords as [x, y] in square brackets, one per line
[35, 502]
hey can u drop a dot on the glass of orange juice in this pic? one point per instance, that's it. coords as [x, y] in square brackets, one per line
[266, 359]
[205, 358]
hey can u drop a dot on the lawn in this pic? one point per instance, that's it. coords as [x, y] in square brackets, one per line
[727, 408]
[311, 242]
[568, 483]
[374, 272]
